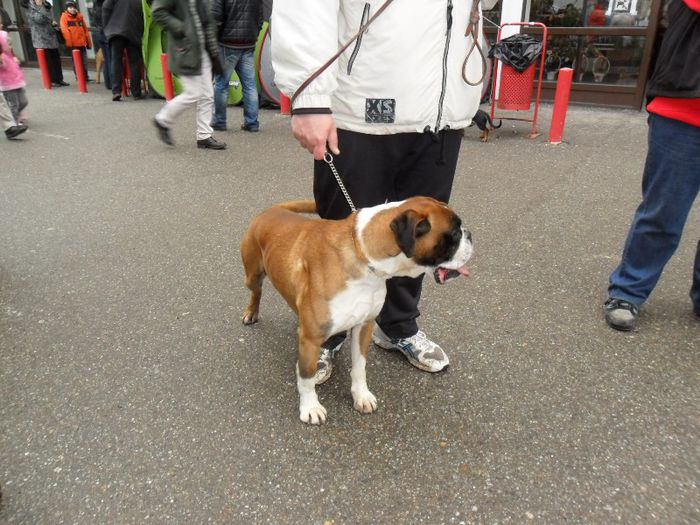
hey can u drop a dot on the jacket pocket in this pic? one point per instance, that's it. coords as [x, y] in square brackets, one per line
[358, 43]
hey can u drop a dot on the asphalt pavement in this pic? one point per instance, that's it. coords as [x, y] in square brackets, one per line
[130, 392]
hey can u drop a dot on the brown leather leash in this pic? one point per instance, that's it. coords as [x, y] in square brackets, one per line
[340, 51]
[472, 30]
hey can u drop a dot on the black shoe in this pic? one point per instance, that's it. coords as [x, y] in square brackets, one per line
[116, 98]
[620, 314]
[62, 83]
[139, 97]
[163, 133]
[15, 131]
[250, 129]
[211, 143]
[218, 127]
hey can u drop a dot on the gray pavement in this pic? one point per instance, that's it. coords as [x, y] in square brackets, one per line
[131, 393]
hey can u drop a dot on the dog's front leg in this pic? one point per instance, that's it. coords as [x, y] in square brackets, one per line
[310, 409]
[364, 400]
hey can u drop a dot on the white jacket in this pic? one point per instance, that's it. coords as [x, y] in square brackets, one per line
[404, 74]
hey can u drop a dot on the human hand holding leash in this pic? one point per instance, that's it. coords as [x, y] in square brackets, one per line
[314, 132]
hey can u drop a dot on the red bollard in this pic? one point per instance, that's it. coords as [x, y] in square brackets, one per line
[285, 108]
[561, 103]
[44, 67]
[167, 77]
[79, 70]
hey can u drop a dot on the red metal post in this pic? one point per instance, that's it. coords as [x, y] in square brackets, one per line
[285, 108]
[167, 77]
[44, 67]
[561, 103]
[79, 70]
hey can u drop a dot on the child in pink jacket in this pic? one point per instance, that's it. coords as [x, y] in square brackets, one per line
[12, 82]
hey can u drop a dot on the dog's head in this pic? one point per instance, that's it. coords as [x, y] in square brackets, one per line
[424, 235]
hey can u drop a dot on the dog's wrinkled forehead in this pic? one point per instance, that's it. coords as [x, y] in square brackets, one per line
[427, 231]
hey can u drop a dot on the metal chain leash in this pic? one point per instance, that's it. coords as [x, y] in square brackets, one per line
[328, 158]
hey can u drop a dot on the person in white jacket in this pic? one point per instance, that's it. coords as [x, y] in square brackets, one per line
[390, 110]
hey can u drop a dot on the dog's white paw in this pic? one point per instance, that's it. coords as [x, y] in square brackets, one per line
[365, 401]
[313, 414]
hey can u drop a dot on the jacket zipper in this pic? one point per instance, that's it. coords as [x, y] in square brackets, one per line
[444, 64]
[356, 50]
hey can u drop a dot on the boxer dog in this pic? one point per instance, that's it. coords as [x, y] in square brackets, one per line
[333, 273]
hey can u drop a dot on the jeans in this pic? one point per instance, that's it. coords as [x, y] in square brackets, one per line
[669, 187]
[53, 62]
[117, 45]
[243, 62]
[100, 42]
[16, 100]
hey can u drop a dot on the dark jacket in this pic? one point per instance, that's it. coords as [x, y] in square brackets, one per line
[677, 71]
[238, 22]
[123, 18]
[96, 22]
[184, 49]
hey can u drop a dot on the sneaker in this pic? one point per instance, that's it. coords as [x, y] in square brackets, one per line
[15, 131]
[116, 98]
[163, 133]
[251, 129]
[324, 367]
[211, 143]
[620, 314]
[420, 351]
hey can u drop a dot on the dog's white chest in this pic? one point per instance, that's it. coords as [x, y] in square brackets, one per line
[360, 301]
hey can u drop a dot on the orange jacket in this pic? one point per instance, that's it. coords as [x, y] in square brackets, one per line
[74, 30]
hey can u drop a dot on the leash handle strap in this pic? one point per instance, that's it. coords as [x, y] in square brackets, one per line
[473, 31]
[340, 51]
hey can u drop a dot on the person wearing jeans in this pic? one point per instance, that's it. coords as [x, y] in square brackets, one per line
[243, 62]
[238, 23]
[671, 177]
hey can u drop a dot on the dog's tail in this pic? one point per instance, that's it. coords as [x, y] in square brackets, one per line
[500, 122]
[298, 206]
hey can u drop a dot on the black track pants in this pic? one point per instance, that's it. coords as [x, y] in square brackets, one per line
[380, 168]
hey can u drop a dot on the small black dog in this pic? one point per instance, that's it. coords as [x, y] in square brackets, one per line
[485, 124]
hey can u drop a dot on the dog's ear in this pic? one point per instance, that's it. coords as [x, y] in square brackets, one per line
[407, 227]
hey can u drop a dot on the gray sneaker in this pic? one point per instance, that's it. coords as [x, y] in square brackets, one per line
[620, 314]
[324, 367]
[420, 351]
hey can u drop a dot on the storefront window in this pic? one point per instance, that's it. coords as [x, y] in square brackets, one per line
[591, 13]
[596, 59]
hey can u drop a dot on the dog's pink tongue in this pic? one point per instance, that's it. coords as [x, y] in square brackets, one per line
[445, 274]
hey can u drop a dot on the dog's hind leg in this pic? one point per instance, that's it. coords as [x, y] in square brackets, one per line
[254, 276]
[364, 400]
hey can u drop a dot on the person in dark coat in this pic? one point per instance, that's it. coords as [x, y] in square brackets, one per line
[193, 54]
[123, 27]
[44, 28]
